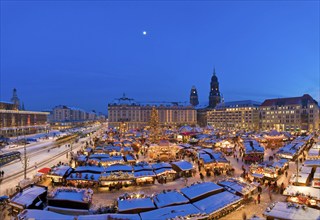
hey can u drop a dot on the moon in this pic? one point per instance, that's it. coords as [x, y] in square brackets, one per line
[144, 32]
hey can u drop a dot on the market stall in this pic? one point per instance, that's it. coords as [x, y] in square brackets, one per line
[69, 200]
[183, 168]
[286, 211]
[29, 197]
[164, 172]
[144, 174]
[303, 195]
[134, 203]
[58, 174]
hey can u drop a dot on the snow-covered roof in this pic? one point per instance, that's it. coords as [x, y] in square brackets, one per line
[92, 169]
[118, 167]
[235, 185]
[132, 204]
[291, 149]
[142, 166]
[306, 190]
[28, 195]
[217, 202]
[130, 157]
[161, 165]
[60, 170]
[304, 169]
[312, 163]
[144, 173]
[183, 165]
[171, 212]
[110, 216]
[43, 215]
[282, 210]
[200, 189]
[99, 156]
[163, 170]
[169, 198]
[301, 178]
[71, 194]
[255, 148]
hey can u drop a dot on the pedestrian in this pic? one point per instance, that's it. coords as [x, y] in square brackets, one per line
[244, 216]
[270, 196]
[258, 198]
[201, 177]
[286, 173]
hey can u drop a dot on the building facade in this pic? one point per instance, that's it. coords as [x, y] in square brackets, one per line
[62, 113]
[127, 112]
[239, 115]
[15, 122]
[290, 114]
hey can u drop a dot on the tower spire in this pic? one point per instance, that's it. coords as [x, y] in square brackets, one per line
[214, 70]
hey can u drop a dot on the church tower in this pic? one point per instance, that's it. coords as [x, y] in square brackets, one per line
[194, 96]
[15, 100]
[214, 96]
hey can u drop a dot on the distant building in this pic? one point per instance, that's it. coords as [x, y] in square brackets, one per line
[214, 99]
[15, 122]
[194, 101]
[62, 113]
[235, 115]
[214, 95]
[64, 117]
[15, 100]
[290, 114]
[133, 115]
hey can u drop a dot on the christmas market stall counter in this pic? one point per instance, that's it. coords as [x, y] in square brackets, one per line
[303, 195]
[69, 200]
[269, 170]
[105, 159]
[116, 176]
[83, 180]
[29, 197]
[289, 211]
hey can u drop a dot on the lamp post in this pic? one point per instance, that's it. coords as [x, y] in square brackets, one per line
[297, 175]
[25, 161]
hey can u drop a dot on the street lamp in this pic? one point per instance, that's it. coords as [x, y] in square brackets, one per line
[25, 161]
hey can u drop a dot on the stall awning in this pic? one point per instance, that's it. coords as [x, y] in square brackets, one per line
[44, 170]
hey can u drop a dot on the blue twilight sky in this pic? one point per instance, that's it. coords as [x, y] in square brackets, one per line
[87, 53]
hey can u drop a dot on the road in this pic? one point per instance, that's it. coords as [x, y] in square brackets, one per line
[38, 157]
